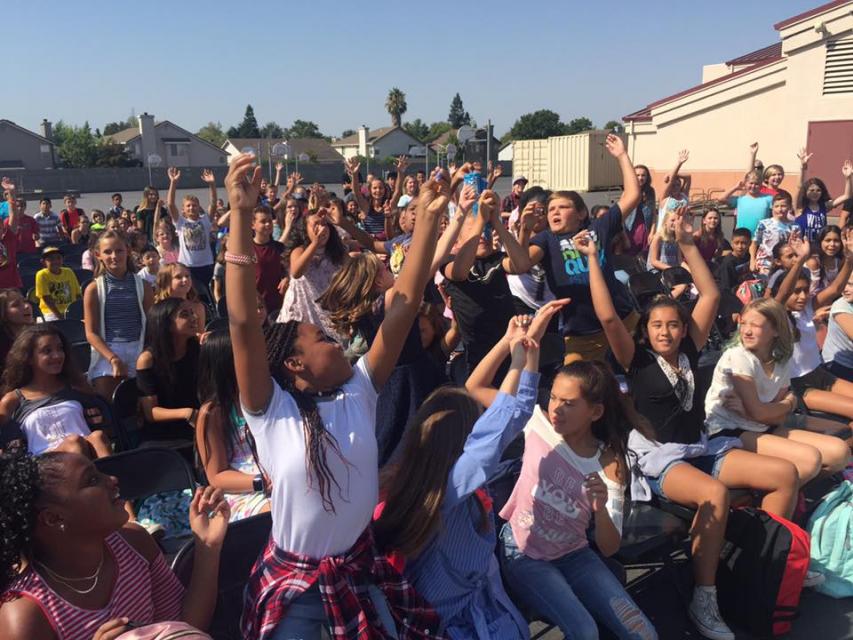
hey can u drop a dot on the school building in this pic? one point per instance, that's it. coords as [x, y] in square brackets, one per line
[797, 92]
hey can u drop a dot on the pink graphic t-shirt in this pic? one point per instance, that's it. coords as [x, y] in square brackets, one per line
[548, 510]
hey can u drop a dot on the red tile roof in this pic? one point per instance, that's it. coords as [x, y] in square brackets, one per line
[809, 13]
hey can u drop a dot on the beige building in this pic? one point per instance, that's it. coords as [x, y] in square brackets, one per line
[175, 146]
[387, 142]
[795, 93]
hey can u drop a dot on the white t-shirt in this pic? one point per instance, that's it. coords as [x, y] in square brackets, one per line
[838, 347]
[194, 241]
[300, 524]
[806, 356]
[739, 361]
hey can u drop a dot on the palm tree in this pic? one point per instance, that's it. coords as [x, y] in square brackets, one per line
[395, 104]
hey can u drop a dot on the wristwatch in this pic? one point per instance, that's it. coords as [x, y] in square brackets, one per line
[258, 483]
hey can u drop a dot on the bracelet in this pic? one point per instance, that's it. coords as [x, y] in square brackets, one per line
[241, 259]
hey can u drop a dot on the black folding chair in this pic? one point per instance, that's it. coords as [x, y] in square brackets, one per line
[243, 544]
[73, 330]
[126, 413]
[74, 311]
[81, 354]
[146, 472]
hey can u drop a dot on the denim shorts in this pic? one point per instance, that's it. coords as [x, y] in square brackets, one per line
[710, 465]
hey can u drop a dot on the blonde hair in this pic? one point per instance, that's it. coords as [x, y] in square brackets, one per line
[164, 282]
[776, 314]
[350, 295]
[663, 232]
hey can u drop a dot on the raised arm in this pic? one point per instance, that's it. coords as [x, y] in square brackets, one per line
[847, 172]
[802, 251]
[630, 186]
[621, 342]
[9, 187]
[301, 257]
[278, 167]
[243, 184]
[458, 270]
[705, 311]
[753, 153]
[518, 259]
[404, 300]
[367, 241]
[210, 180]
[495, 172]
[352, 166]
[451, 233]
[174, 176]
[670, 179]
[724, 199]
[803, 156]
[402, 165]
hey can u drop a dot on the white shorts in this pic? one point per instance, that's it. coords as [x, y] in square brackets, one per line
[127, 351]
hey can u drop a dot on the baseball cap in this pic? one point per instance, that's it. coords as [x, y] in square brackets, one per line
[520, 179]
[404, 201]
[50, 250]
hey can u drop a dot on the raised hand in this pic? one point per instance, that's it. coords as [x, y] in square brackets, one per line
[402, 165]
[467, 197]
[8, 185]
[352, 166]
[208, 177]
[584, 244]
[243, 182]
[498, 172]
[531, 213]
[683, 226]
[614, 145]
[804, 157]
[488, 206]
[517, 327]
[847, 169]
[683, 156]
[753, 148]
[336, 212]
[800, 245]
[209, 513]
[174, 174]
[279, 166]
[297, 178]
[542, 319]
[847, 241]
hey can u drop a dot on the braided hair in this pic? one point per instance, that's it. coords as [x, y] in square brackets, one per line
[281, 344]
[23, 478]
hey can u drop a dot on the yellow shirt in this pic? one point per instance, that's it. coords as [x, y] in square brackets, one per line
[62, 288]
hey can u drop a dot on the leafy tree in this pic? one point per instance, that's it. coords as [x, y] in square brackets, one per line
[303, 129]
[395, 104]
[436, 129]
[347, 132]
[272, 130]
[114, 127]
[614, 125]
[579, 125]
[539, 124]
[212, 132]
[248, 128]
[77, 146]
[109, 154]
[417, 129]
[458, 116]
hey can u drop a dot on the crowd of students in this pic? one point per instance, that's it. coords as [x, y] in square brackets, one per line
[374, 466]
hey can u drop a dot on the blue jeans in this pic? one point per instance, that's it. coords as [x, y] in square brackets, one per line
[574, 592]
[306, 616]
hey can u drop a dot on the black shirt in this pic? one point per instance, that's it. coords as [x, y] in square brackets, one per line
[178, 392]
[656, 401]
[482, 305]
[732, 271]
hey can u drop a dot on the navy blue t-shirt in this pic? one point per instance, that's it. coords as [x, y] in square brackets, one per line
[567, 271]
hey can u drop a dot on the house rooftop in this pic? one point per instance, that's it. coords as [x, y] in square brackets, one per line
[372, 136]
[317, 147]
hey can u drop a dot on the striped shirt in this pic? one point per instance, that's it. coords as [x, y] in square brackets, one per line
[48, 228]
[145, 593]
[122, 319]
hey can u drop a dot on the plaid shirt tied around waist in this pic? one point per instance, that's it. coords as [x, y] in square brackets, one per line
[279, 577]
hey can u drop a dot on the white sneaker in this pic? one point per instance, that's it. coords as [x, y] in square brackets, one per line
[813, 579]
[705, 614]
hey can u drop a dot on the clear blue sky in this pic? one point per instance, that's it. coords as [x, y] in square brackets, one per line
[333, 62]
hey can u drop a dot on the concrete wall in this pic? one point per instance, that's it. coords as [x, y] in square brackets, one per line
[20, 147]
[394, 144]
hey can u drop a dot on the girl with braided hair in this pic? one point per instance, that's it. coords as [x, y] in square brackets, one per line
[312, 414]
[72, 567]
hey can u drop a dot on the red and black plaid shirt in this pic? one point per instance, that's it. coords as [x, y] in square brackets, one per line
[279, 577]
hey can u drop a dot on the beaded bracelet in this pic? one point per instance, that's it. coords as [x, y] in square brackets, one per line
[237, 258]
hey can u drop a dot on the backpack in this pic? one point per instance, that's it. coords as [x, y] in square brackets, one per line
[830, 526]
[761, 571]
[750, 290]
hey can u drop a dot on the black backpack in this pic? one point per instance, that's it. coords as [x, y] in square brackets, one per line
[761, 572]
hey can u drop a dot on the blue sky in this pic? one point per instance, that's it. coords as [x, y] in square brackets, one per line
[333, 62]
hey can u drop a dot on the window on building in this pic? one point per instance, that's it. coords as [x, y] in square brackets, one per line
[838, 69]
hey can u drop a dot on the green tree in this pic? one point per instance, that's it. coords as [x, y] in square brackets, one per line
[417, 129]
[436, 129]
[347, 133]
[114, 127]
[77, 146]
[109, 154]
[213, 133]
[303, 129]
[579, 125]
[539, 124]
[395, 104]
[458, 116]
[272, 130]
[248, 128]
[614, 125]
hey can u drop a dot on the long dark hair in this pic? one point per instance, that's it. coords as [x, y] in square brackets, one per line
[599, 386]
[830, 228]
[24, 479]
[298, 237]
[803, 201]
[641, 333]
[647, 190]
[158, 338]
[415, 486]
[217, 380]
[19, 369]
[281, 344]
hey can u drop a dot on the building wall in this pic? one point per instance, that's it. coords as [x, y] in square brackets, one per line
[18, 146]
[394, 144]
[195, 154]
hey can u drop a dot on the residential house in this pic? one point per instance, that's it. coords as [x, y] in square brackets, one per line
[176, 146]
[316, 149]
[797, 92]
[22, 149]
[383, 143]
